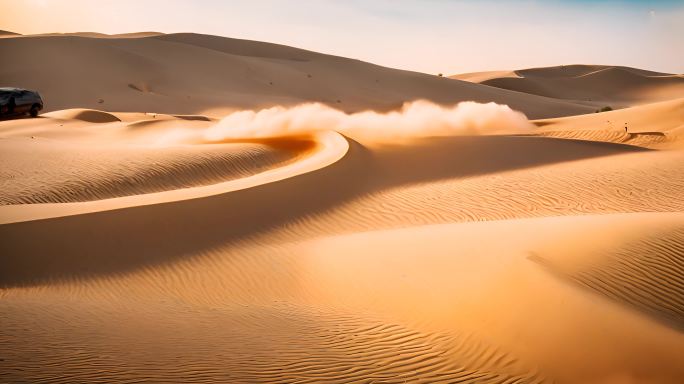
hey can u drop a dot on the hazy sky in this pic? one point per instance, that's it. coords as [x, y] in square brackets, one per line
[423, 35]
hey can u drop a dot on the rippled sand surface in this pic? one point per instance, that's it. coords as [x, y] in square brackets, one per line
[550, 257]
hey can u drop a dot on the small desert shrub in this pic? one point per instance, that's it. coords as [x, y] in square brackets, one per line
[440, 74]
[604, 109]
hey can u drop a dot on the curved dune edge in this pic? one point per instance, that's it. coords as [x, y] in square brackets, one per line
[41, 173]
[644, 272]
[331, 146]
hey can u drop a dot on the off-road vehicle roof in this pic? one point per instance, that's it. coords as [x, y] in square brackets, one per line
[13, 89]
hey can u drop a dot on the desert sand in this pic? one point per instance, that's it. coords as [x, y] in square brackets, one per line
[180, 214]
[601, 85]
[200, 74]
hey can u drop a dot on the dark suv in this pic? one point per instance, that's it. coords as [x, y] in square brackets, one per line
[16, 101]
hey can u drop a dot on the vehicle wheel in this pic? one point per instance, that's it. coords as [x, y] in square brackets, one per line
[34, 111]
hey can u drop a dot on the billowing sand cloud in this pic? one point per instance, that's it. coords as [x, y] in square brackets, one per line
[415, 119]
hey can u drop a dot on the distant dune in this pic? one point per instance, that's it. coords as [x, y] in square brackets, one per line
[614, 86]
[191, 73]
[8, 34]
[101, 35]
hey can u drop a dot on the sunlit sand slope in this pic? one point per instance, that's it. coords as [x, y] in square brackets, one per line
[646, 272]
[336, 309]
[68, 160]
[656, 125]
[192, 73]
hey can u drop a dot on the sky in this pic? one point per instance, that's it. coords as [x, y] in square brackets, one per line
[432, 36]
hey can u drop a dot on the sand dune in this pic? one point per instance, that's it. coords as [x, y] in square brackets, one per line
[8, 34]
[311, 274]
[372, 202]
[103, 35]
[86, 115]
[69, 174]
[645, 272]
[87, 34]
[597, 85]
[331, 310]
[60, 168]
[656, 125]
[156, 237]
[201, 74]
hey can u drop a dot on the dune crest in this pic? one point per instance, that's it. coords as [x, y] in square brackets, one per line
[599, 85]
[86, 115]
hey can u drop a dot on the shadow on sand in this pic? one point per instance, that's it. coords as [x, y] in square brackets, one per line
[117, 241]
